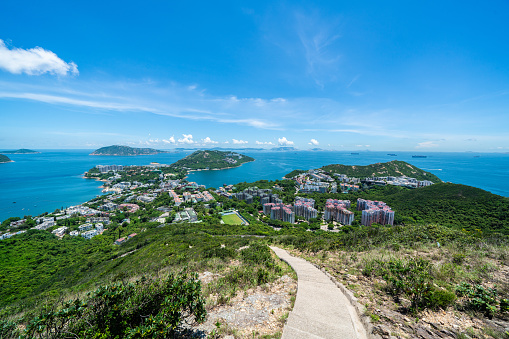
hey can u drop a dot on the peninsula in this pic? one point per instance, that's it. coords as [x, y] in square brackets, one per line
[21, 151]
[393, 168]
[117, 150]
[4, 159]
[205, 160]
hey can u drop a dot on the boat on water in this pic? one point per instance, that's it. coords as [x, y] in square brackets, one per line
[354, 153]
[419, 156]
[392, 154]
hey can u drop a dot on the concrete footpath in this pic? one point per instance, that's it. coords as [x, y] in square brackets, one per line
[321, 310]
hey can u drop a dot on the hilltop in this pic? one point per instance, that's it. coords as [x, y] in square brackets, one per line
[117, 150]
[202, 160]
[394, 168]
[21, 151]
[4, 158]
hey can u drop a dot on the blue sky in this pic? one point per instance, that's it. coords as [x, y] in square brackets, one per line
[343, 75]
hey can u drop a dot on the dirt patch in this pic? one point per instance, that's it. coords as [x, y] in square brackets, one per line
[258, 310]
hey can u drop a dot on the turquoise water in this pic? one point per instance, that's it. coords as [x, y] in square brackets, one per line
[53, 179]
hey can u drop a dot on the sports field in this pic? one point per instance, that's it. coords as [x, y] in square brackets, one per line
[231, 219]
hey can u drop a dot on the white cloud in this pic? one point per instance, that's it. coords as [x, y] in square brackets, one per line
[264, 142]
[313, 142]
[426, 144]
[34, 61]
[207, 140]
[170, 140]
[239, 142]
[187, 139]
[284, 142]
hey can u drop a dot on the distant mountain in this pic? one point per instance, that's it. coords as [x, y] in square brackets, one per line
[392, 168]
[4, 158]
[21, 151]
[212, 159]
[316, 149]
[117, 150]
[283, 149]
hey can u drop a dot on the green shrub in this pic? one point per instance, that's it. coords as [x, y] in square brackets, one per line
[481, 299]
[147, 308]
[458, 258]
[441, 299]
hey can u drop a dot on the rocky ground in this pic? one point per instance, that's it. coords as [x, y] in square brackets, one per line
[256, 313]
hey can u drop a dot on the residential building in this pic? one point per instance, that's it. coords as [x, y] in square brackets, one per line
[375, 212]
[337, 210]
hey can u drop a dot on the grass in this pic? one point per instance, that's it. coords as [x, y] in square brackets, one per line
[232, 219]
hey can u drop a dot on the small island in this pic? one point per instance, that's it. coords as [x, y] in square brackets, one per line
[117, 150]
[21, 151]
[212, 160]
[4, 159]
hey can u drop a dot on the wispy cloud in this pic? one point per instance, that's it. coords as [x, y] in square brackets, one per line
[427, 144]
[318, 36]
[34, 61]
[239, 142]
[264, 142]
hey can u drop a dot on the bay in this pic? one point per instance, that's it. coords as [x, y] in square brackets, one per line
[52, 179]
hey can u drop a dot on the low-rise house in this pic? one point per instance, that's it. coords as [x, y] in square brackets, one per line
[120, 241]
[74, 233]
[59, 232]
[99, 227]
[85, 227]
[89, 234]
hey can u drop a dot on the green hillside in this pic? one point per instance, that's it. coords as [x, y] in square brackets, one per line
[392, 168]
[4, 158]
[117, 150]
[212, 160]
[455, 205]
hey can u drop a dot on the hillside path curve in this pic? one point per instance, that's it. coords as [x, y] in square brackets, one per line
[321, 310]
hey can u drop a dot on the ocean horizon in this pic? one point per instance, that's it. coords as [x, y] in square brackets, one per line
[38, 183]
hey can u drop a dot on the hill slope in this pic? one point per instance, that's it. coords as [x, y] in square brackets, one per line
[4, 158]
[212, 160]
[117, 150]
[453, 205]
[392, 168]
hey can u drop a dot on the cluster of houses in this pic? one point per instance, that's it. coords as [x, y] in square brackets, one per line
[317, 180]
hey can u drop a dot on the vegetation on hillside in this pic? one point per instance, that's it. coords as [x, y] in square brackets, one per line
[392, 168]
[125, 151]
[200, 160]
[4, 158]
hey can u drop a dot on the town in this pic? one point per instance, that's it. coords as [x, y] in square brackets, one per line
[161, 194]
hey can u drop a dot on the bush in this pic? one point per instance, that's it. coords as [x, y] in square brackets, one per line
[144, 309]
[440, 299]
[411, 278]
[481, 299]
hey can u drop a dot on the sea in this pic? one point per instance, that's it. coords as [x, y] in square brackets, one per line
[53, 179]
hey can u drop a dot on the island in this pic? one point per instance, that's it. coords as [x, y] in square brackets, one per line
[117, 150]
[21, 151]
[211, 160]
[4, 159]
